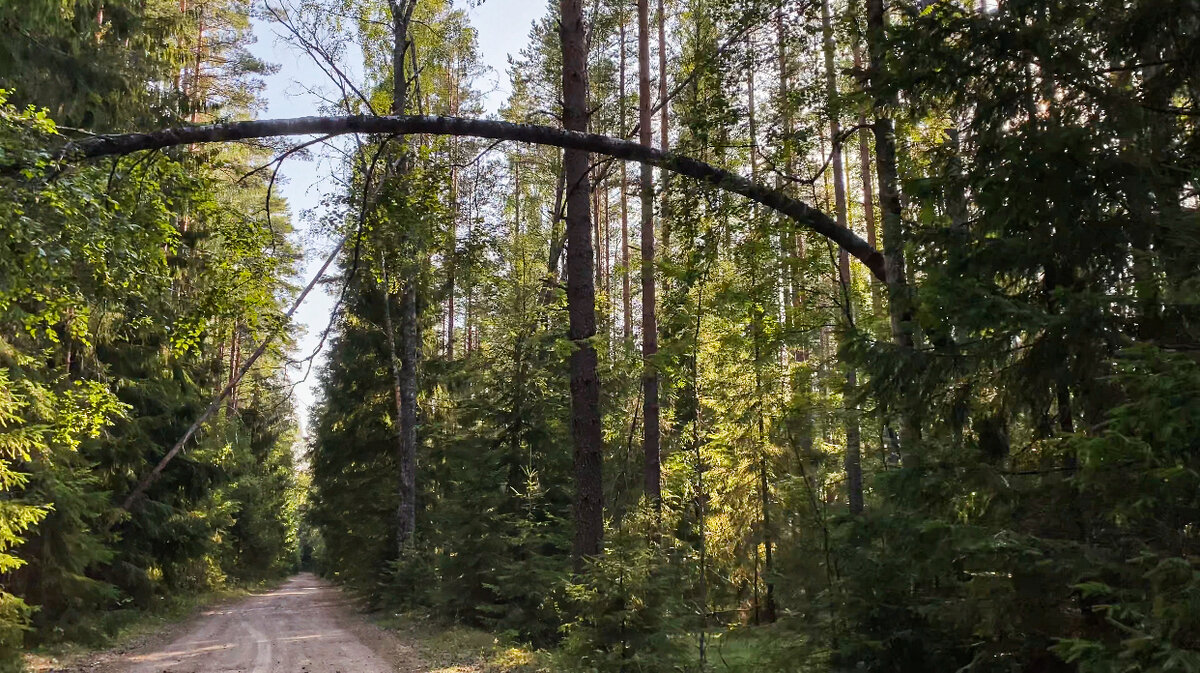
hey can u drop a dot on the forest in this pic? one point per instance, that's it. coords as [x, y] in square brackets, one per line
[747, 335]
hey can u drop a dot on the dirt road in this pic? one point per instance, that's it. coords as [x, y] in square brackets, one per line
[304, 626]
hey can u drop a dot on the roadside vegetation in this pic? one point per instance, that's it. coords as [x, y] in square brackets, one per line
[926, 401]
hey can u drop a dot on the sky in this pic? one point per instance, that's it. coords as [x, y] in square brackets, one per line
[502, 27]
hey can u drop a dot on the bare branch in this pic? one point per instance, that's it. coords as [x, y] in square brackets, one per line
[229, 387]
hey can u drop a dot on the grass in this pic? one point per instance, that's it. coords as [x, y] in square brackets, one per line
[761, 649]
[454, 648]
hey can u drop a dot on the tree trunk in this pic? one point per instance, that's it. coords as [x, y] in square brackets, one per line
[788, 240]
[597, 241]
[410, 353]
[775, 199]
[626, 290]
[581, 295]
[452, 238]
[899, 301]
[403, 531]
[853, 461]
[664, 141]
[764, 612]
[608, 256]
[406, 372]
[650, 423]
[868, 187]
[401, 11]
[451, 246]
[889, 183]
[197, 102]
[235, 362]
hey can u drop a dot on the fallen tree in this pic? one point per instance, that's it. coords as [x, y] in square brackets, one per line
[802, 213]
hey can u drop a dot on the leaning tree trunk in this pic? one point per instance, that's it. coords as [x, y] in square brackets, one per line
[129, 143]
[650, 425]
[799, 211]
[581, 295]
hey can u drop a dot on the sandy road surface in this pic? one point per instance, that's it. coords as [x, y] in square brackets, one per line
[304, 626]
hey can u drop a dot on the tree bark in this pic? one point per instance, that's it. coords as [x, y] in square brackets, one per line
[789, 242]
[451, 245]
[403, 530]
[765, 611]
[802, 213]
[410, 352]
[664, 141]
[401, 11]
[452, 238]
[235, 361]
[626, 290]
[889, 183]
[406, 373]
[581, 295]
[899, 300]
[650, 424]
[853, 459]
[868, 187]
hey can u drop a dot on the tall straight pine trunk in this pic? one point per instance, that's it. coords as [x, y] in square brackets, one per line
[404, 363]
[664, 120]
[764, 610]
[852, 458]
[581, 295]
[626, 289]
[651, 432]
[868, 182]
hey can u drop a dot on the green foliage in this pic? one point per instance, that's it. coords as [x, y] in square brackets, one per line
[1030, 484]
[628, 615]
[1141, 466]
[129, 291]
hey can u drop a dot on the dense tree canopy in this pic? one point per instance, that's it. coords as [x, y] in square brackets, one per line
[637, 419]
[131, 290]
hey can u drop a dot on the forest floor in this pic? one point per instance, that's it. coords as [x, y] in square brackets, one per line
[306, 625]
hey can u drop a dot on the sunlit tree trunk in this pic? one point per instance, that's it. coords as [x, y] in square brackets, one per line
[868, 182]
[664, 120]
[853, 459]
[626, 290]
[789, 254]
[650, 423]
[764, 610]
